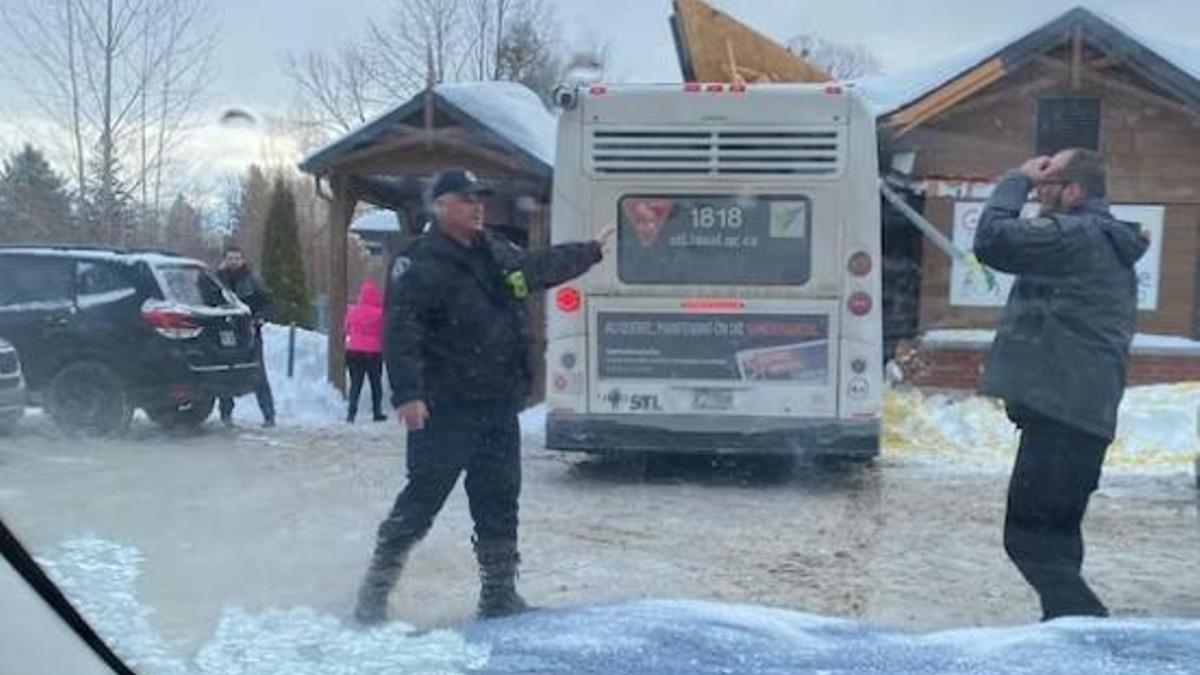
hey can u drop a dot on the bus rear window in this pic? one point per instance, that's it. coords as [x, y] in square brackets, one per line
[714, 239]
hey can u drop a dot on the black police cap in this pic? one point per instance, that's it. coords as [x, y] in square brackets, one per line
[459, 181]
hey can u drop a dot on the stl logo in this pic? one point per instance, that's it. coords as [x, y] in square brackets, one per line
[648, 216]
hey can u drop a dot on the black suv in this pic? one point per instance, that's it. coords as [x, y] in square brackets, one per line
[102, 332]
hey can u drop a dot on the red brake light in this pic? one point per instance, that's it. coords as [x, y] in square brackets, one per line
[833, 89]
[713, 305]
[568, 299]
[171, 324]
[859, 303]
[859, 264]
[737, 88]
[691, 86]
[163, 318]
[598, 90]
[716, 87]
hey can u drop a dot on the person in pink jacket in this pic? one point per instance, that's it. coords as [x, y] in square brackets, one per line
[364, 348]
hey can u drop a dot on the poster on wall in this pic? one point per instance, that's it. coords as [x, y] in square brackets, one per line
[970, 287]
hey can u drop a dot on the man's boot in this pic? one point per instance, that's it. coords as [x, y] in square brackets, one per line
[377, 585]
[498, 562]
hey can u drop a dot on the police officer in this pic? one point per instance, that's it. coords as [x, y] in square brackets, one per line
[1059, 358]
[457, 349]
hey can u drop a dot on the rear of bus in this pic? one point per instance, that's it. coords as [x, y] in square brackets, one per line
[740, 308]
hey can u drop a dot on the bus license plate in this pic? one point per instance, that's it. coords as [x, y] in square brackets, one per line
[712, 399]
[228, 338]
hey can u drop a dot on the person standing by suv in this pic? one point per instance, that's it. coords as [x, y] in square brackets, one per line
[235, 273]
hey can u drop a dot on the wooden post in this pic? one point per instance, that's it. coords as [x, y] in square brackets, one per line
[1077, 58]
[340, 213]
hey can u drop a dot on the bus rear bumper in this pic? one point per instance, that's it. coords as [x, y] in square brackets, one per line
[574, 432]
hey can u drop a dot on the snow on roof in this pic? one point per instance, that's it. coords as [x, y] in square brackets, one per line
[508, 108]
[888, 93]
[381, 220]
[1143, 343]
[105, 254]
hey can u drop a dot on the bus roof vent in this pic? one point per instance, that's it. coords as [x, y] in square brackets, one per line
[790, 152]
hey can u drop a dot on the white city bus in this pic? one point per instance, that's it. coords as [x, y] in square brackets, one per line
[741, 309]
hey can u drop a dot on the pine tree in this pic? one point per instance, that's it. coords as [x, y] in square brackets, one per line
[107, 206]
[34, 205]
[282, 266]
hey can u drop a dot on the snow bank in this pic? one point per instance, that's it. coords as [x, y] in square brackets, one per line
[306, 399]
[646, 637]
[1156, 428]
[100, 579]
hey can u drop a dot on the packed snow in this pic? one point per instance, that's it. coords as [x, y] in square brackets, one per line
[305, 399]
[648, 636]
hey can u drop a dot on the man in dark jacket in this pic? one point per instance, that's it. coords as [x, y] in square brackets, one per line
[1059, 358]
[236, 274]
[457, 349]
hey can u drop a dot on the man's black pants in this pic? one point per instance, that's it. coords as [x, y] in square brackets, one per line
[1056, 470]
[262, 392]
[484, 442]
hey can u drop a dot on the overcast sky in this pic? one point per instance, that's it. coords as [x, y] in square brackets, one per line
[256, 35]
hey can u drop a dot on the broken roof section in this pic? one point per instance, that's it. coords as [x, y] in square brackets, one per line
[908, 99]
[507, 116]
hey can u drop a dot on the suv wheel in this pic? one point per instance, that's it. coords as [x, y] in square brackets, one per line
[187, 415]
[89, 396]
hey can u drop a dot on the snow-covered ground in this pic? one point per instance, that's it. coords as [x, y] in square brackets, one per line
[1156, 429]
[305, 399]
[630, 638]
[237, 552]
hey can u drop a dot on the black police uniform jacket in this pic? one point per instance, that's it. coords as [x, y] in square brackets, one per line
[456, 330]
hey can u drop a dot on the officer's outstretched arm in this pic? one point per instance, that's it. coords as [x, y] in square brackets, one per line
[559, 264]
[410, 298]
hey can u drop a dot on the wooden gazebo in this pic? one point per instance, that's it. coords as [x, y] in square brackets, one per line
[499, 130]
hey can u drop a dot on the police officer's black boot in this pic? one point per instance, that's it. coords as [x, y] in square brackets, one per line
[377, 585]
[498, 562]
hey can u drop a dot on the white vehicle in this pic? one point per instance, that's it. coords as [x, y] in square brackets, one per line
[740, 312]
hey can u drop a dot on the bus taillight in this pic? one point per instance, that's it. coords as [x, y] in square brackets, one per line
[859, 304]
[859, 264]
[691, 87]
[568, 299]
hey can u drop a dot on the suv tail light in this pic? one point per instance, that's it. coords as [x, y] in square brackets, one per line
[171, 324]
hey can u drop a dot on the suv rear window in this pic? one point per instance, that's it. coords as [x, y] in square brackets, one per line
[192, 286]
[28, 280]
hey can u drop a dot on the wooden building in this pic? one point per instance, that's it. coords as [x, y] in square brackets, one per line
[499, 130]
[1079, 80]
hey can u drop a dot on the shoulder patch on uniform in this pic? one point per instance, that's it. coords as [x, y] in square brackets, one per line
[399, 266]
[1042, 222]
